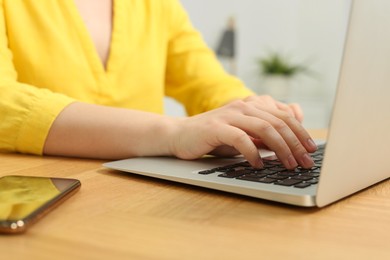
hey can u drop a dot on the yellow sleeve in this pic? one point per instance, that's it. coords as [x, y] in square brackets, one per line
[26, 112]
[194, 76]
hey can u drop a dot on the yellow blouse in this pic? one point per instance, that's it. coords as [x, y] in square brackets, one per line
[48, 60]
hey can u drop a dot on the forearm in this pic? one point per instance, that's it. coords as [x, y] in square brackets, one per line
[93, 131]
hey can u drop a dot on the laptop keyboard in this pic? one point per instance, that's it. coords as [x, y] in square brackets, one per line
[273, 172]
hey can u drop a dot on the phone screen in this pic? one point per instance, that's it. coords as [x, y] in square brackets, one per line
[25, 199]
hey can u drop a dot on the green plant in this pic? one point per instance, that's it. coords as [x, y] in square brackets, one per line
[276, 64]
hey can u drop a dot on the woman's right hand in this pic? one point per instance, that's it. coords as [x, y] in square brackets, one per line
[241, 127]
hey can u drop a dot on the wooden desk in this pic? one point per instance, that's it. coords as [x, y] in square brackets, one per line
[123, 216]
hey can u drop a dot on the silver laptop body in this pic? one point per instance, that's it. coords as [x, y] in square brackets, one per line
[357, 152]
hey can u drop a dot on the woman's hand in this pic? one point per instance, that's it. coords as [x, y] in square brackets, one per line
[242, 127]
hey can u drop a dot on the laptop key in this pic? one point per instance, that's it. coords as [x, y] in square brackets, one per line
[313, 181]
[206, 172]
[278, 169]
[270, 164]
[256, 179]
[302, 185]
[288, 182]
[302, 177]
[264, 171]
[234, 174]
[278, 176]
[256, 174]
[288, 173]
[311, 174]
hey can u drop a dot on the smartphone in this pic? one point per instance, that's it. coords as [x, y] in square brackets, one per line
[26, 199]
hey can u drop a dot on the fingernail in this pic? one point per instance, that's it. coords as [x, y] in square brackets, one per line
[307, 160]
[260, 164]
[292, 162]
[311, 144]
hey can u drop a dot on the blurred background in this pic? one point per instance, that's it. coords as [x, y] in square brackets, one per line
[291, 49]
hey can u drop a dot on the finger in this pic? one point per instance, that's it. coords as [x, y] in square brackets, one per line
[256, 119]
[258, 142]
[296, 127]
[264, 130]
[298, 112]
[296, 146]
[294, 109]
[239, 139]
[276, 140]
[299, 131]
[298, 140]
[263, 100]
[284, 107]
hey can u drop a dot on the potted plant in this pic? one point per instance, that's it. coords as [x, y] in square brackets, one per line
[277, 72]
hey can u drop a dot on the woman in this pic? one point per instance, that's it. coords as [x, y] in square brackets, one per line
[87, 78]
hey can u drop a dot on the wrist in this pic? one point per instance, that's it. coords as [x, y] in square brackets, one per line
[161, 137]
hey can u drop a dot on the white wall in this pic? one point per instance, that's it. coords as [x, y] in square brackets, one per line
[305, 30]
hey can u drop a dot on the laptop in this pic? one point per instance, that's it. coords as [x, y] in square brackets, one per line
[357, 150]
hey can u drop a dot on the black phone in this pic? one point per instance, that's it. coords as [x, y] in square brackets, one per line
[25, 199]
